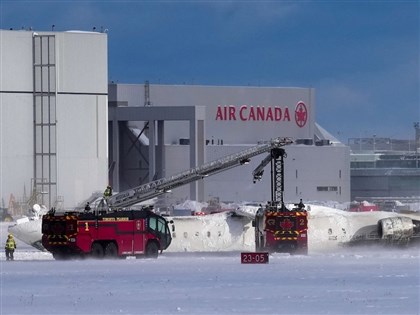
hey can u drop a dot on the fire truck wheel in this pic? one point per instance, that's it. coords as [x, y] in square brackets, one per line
[259, 241]
[301, 251]
[111, 250]
[97, 251]
[59, 256]
[152, 250]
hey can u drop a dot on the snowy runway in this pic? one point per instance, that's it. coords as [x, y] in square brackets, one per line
[361, 281]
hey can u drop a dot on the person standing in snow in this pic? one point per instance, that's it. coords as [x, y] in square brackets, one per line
[10, 247]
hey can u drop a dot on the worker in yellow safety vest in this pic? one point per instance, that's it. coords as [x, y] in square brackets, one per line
[10, 247]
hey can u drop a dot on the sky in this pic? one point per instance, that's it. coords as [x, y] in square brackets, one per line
[362, 57]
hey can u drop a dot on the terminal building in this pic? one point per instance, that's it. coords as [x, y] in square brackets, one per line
[385, 169]
[66, 133]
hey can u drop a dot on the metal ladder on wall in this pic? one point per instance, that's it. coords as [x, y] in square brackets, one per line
[44, 113]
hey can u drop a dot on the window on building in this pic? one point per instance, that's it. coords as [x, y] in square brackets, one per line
[327, 188]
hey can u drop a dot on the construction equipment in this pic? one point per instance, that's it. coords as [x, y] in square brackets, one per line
[278, 229]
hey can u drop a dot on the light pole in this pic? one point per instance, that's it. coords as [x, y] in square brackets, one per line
[374, 137]
[374, 155]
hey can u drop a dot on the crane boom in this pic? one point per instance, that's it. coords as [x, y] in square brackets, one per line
[158, 187]
[259, 171]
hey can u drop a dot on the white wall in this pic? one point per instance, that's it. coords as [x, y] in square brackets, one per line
[316, 166]
[82, 62]
[81, 113]
[309, 167]
[15, 61]
[16, 111]
[82, 149]
[16, 145]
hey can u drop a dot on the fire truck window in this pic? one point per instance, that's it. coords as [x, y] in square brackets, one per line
[161, 225]
[152, 223]
[157, 224]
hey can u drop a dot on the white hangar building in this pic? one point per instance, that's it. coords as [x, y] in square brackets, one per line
[65, 133]
[53, 116]
[217, 121]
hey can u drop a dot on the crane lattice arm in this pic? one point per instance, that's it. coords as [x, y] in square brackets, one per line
[161, 186]
[276, 157]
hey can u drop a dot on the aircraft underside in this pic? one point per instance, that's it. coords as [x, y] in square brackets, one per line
[328, 229]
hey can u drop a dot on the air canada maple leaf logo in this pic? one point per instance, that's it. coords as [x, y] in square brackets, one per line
[286, 224]
[301, 114]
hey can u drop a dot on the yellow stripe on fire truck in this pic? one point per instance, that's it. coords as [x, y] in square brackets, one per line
[66, 218]
[285, 238]
[57, 239]
[58, 236]
[286, 214]
[286, 232]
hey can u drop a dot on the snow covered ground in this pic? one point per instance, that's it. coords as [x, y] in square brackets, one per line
[363, 280]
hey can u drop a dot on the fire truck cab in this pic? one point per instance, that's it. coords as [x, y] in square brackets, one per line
[111, 234]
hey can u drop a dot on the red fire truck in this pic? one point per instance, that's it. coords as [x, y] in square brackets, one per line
[111, 231]
[278, 229]
[105, 234]
[363, 206]
[281, 230]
